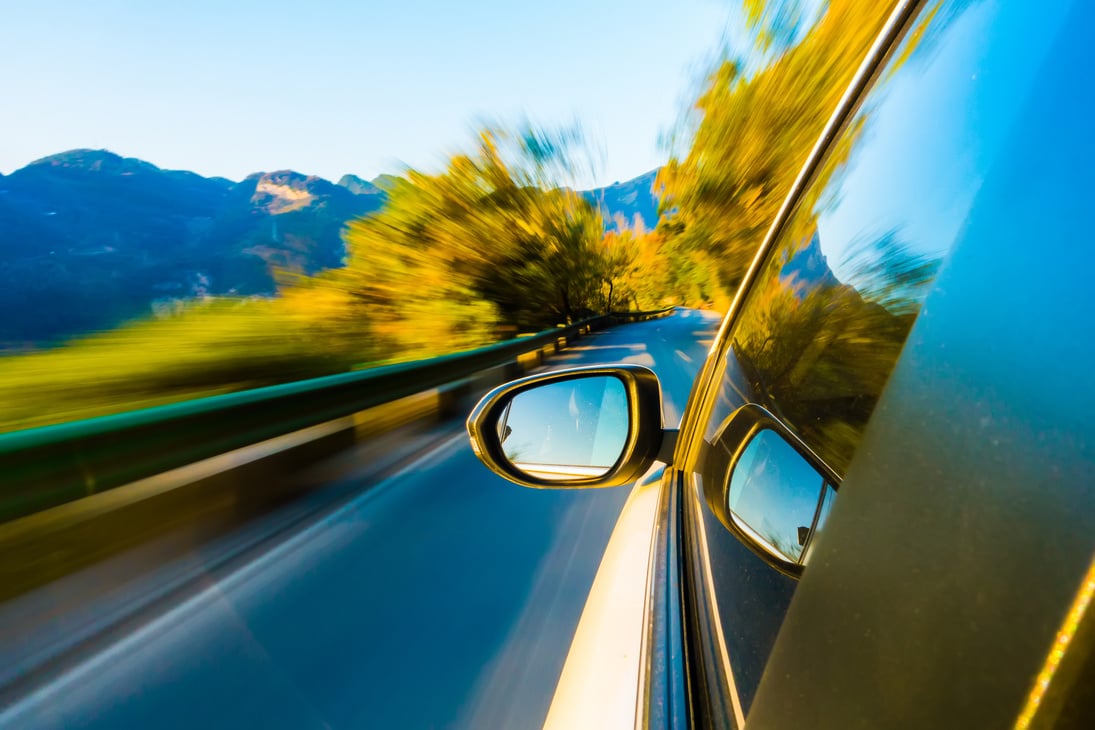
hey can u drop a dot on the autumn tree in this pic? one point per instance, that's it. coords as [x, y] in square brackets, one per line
[751, 132]
[493, 240]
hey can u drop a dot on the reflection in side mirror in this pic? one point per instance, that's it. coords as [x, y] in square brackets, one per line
[567, 429]
[777, 497]
[585, 427]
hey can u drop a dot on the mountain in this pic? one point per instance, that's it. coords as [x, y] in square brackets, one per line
[289, 220]
[633, 201]
[90, 239]
[358, 186]
[384, 182]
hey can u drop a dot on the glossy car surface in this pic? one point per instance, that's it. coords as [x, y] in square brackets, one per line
[883, 487]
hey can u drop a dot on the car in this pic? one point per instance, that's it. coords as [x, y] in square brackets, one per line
[880, 499]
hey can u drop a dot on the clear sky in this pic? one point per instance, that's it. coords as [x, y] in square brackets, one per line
[230, 87]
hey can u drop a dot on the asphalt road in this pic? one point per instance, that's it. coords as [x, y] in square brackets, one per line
[440, 597]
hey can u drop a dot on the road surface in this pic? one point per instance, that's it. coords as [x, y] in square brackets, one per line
[440, 597]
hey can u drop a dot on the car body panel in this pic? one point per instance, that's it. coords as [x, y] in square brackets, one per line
[928, 163]
[967, 526]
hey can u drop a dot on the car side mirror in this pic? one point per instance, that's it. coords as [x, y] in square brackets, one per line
[597, 426]
[777, 494]
[777, 497]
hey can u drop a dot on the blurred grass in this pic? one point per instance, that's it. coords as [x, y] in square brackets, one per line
[207, 348]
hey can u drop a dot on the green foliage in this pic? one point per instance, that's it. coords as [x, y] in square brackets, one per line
[207, 348]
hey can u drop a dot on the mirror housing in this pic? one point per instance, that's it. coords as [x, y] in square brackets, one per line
[769, 489]
[641, 446]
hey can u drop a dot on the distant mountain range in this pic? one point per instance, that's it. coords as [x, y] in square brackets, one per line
[90, 239]
[633, 202]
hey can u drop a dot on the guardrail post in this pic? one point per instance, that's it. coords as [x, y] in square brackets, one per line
[451, 399]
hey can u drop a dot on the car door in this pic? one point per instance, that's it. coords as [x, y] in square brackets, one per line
[825, 314]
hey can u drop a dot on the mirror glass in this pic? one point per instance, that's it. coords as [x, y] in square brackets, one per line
[774, 495]
[567, 429]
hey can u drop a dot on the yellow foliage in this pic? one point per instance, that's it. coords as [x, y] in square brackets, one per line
[753, 135]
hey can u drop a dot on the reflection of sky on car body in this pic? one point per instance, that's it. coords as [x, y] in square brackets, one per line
[580, 422]
[951, 99]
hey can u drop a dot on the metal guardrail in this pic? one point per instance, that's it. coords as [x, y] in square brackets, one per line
[53, 465]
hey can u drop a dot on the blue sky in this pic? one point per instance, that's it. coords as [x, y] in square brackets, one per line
[229, 87]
